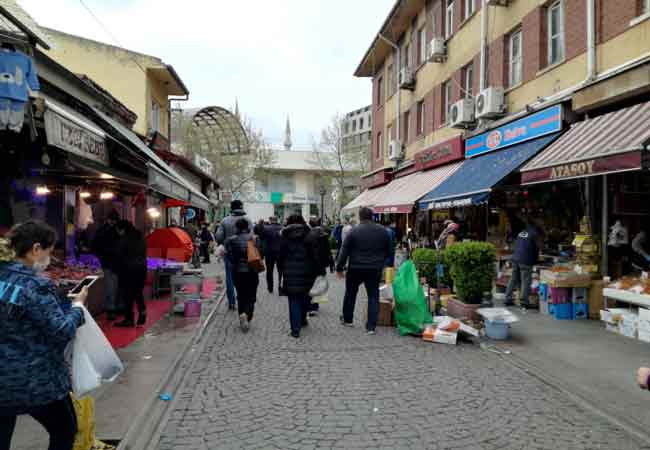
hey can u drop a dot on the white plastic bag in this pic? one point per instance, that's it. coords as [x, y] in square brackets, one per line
[320, 287]
[93, 359]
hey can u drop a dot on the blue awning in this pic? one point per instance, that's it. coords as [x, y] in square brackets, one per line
[472, 183]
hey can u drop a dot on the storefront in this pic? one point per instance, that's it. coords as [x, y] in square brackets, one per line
[373, 184]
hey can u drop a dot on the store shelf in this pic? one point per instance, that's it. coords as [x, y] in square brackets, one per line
[627, 297]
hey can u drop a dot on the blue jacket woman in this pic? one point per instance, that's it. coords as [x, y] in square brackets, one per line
[36, 325]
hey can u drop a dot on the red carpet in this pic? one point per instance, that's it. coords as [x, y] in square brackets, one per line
[156, 310]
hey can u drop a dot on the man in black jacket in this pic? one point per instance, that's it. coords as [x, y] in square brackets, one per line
[365, 251]
[271, 241]
[321, 242]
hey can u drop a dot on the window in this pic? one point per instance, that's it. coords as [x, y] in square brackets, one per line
[446, 100]
[370, 120]
[155, 116]
[645, 6]
[380, 145]
[423, 45]
[354, 126]
[468, 81]
[449, 19]
[515, 63]
[555, 33]
[389, 133]
[346, 128]
[408, 62]
[421, 118]
[469, 8]
[390, 77]
[281, 182]
[361, 123]
[380, 92]
[405, 128]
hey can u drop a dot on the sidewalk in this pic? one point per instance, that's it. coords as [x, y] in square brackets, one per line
[581, 357]
[146, 361]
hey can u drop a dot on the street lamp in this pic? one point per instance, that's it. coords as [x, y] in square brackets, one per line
[323, 191]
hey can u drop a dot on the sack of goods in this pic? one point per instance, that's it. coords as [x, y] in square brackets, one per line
[320, 287]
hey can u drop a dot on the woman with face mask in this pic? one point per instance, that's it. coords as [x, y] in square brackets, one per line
[36, 325]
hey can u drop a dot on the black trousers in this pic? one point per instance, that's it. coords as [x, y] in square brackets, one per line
[58, 418]
[272, 260]
[246, 286]
[353, 279]
[205, 252]
[132, 287]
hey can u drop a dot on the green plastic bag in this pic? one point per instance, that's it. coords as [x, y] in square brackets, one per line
[411, 311]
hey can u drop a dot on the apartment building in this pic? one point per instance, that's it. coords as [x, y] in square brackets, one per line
[357, 130]
[447, 68]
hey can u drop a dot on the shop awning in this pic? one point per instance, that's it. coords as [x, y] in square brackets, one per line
[402, 193]
[607, 144]
[161, 168]
[366, 199]
[473, 181]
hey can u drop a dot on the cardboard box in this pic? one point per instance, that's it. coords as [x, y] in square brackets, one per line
[432, 334]
[595, 299]
[386, 316]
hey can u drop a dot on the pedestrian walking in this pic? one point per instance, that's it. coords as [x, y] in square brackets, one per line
[271, 244]
[390, 262]
[365, 251]
[299, 260]
[226, 230]
[245, 278]
[132, 254]
[206, 240]
[347, 228]
[524, 257]
[324, 260]
[36, 325]
[105, 248]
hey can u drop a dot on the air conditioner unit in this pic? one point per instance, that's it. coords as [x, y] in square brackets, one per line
[490, 103]
[406, 78]
[395, 150]
[497, 2]
[437, 50]
[461, 114]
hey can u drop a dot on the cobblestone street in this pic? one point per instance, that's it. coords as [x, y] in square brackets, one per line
[338, 388]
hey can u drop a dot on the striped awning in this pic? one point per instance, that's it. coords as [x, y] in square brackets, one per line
[402, 193]
[609, 143]
[367, 198]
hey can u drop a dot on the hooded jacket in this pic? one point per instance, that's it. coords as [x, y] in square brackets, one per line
[227, 227]
[298, 259]
[367, 247]
[36, 325]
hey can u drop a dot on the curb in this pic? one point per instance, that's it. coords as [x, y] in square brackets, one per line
[149, 421]
[635, 429]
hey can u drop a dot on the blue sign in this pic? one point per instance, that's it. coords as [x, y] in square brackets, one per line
[536, 125]
[190, 214]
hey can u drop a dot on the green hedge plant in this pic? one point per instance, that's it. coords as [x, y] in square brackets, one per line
[473, 268]
[426, 260]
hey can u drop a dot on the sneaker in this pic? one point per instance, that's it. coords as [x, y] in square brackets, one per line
[243, 323]
[305, 323]
[371, 332]
[142, 319]
[294, 334]
[231, 307]
[509, 303]
[344, 323]
[313, 313]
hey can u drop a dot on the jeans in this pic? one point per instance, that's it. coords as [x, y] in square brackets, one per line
[371, 279]
[230, 286]
[58, 418]
[132, 287]
[204, 250]
[522, 275]
[110, 290]
[298, 307]
[246, 284]
[272, 260]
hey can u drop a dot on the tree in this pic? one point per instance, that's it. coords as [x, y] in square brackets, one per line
[346, 164]
[236, 170]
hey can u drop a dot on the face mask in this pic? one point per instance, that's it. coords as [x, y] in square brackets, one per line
[42, 265]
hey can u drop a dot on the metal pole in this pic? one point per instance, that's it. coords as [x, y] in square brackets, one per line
[605, 228]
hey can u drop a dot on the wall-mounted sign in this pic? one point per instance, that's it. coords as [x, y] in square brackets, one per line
[536, 125]
[204, 164]
[165, 184]
[398, 209]
[69, 136]
[376, 179]
[440, 154]
[582, 169]
[190, 214]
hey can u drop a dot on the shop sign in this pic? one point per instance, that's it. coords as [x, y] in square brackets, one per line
[376, 179]
[190, 214]
[451, 203]
[439, 154]
[164, 184]
[299, 198]
[67, 135]
[400, 209]
[612, 164]
[204, 164]
[531, 127]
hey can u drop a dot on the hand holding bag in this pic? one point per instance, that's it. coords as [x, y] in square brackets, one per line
[254, 257]
[320, 287]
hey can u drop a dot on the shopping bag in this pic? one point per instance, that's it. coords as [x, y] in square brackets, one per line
[93, 359]
[320, 287]
[411, 311]
[389, 275]
[254, 257]
[84, 409]
[321, 299]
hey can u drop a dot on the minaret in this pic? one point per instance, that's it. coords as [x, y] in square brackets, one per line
[287, 136]
[237, 108]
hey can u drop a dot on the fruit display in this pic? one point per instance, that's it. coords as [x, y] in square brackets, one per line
[71, 271]
[635, 285]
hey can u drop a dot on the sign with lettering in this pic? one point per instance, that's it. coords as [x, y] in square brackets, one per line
[376, 179]
[440, 154]
[63, 133]
[399, 209]
[611, 164]
[530, 127]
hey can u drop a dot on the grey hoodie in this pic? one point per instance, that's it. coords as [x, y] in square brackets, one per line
[227, 227]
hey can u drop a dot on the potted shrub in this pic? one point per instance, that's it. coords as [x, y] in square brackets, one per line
[426, 261]
[473, 268]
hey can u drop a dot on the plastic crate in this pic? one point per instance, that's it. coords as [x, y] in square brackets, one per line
[551, 308]
[543, 292]
[580, 311]
[560, 295]
[563, 311]
[580, 295]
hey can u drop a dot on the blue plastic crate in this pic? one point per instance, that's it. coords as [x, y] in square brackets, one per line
[580, 311]
[564, 311]
[580, 295]
[551, 309]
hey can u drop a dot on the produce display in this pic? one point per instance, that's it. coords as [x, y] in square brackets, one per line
[71, 271]
[632, 284]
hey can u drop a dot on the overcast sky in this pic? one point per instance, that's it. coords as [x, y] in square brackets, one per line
[277, 57]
